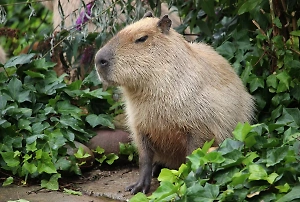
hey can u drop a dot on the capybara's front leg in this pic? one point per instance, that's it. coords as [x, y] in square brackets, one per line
[145, 163]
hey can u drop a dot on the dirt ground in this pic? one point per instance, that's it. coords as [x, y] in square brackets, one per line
[96, 185]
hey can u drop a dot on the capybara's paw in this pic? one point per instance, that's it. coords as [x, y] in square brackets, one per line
[138, 187]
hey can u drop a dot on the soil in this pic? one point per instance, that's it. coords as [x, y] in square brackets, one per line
[100, 184]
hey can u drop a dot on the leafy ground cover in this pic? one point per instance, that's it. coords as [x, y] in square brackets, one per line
[40, 112]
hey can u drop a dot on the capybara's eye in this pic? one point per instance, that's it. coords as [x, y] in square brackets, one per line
[142, 39]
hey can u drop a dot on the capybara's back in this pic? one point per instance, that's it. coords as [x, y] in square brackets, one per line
[177, 94]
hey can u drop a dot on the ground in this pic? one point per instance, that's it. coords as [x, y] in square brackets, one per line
[96, 185]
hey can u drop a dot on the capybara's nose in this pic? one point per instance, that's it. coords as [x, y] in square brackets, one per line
[103, 58]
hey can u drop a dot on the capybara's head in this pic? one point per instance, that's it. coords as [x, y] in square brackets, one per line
[138, 52]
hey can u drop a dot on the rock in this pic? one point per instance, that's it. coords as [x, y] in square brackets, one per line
[89, 161]
[109, 140]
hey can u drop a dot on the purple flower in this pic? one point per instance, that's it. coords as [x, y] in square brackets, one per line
[84, 15]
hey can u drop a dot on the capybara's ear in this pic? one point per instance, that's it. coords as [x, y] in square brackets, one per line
[164, 24]
[149, 14]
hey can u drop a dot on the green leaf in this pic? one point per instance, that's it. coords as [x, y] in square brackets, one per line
[65, 108]
[285, 79]
[99, 150]
[14, 88]
[3, 102]
[208, 193]
[110, 158]
[295, 33]
[207, 146]
[227, 49]
[167, 175]
[277, 22]
[72, 192]
[290, 117]
[283, 188]
[215, 157]
[31, 147]
[293, 194]
[10, 158]
[241, 131]
[8, 181]
[52, 184]
[63, 164]
[276, 155]
[41, 64]
[256, 83]
[33, 74]
[24, 124]
[18, 60]
[101, 119]
[272, 177]
[250, 157]
[257, 172]
[139, 197]
[30, 167]
[272, 81]
[239, 178]
[248, 6]
[164, 191]
[45, 163]
[81, 153]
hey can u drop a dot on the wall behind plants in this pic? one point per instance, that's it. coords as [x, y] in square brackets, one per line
[261, 162]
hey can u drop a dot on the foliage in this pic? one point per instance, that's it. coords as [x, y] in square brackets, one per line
[40, 114]
[261, 40]
[49, 95]
[251, 167]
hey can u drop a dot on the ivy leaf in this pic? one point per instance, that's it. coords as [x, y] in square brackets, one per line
[256, 83]
[81, 153]
[208, 193]
[257, 172]
[274, 156]
[24, 124]
[72, 192]
[101, 119]
[241, 131]
[110, 158]
[272, 177]
[52, 184]
[65, 108]
[139, 197]
[167, 175]
[41, 64]
[33, 74]
[63, 164]
[284, 79]
[293, 194]
[248, 6]
[18, 60]
[283, 188]
[8, 181]
[30, 167]
[10, 159]
[14, 88]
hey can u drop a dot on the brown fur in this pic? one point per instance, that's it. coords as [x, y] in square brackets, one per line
[177, 94]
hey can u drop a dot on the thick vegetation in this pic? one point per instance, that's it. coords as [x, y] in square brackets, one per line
[41, 112]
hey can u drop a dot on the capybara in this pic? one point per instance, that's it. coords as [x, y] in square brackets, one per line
[177, 94]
